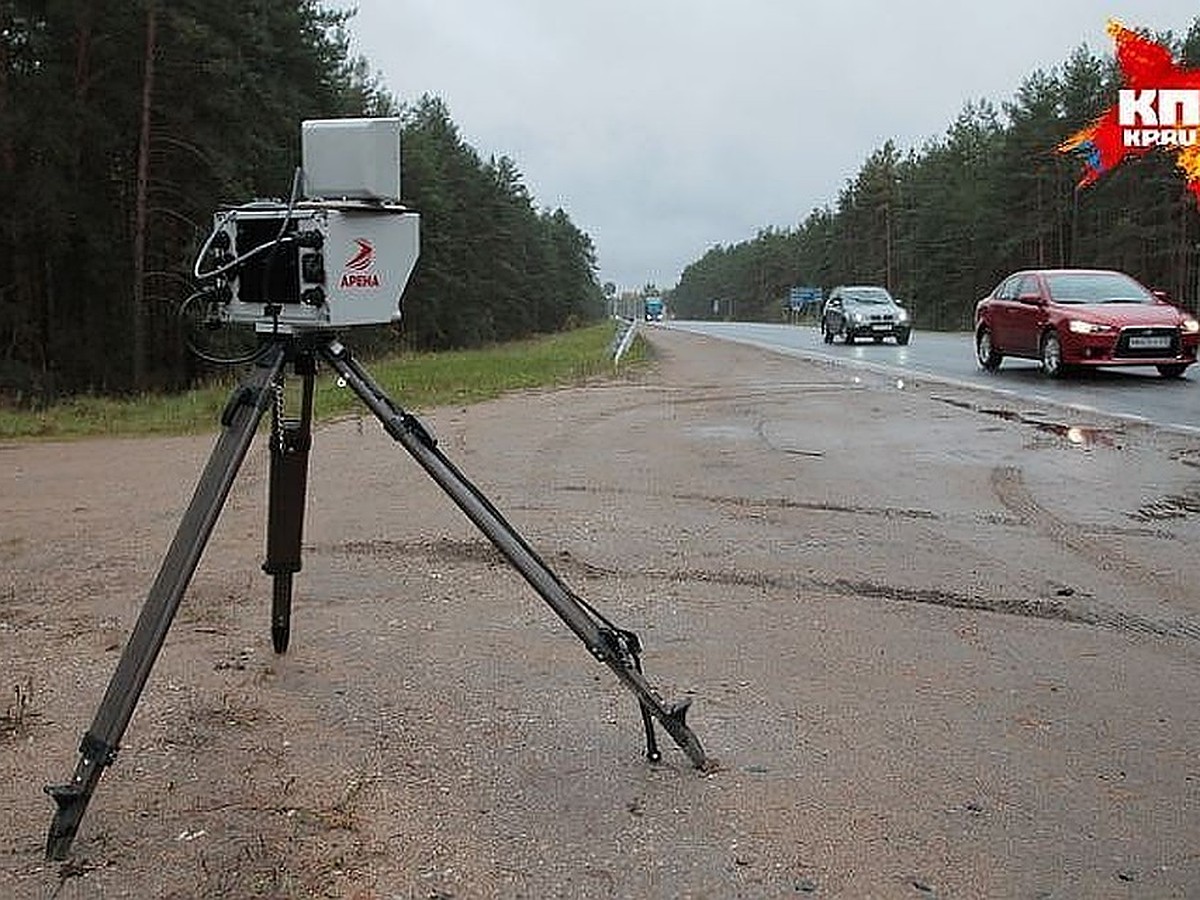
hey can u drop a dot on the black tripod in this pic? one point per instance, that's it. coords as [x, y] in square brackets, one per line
[290, 442]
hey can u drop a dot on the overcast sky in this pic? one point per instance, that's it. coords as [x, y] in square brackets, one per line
[664, 127]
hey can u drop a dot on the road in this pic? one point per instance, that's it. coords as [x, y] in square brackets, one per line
[939, 652]
[1137, 394]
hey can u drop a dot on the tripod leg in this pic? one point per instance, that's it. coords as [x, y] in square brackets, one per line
[617, 648]
[99, 746]
[291, 440]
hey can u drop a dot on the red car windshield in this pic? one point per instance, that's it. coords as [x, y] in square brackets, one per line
[1096, 287]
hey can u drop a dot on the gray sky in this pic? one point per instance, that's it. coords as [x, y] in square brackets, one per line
[664, 127]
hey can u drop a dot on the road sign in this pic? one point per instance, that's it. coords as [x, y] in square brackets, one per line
[799, 297]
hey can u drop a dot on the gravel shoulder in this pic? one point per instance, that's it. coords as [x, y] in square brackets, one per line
[943, 646]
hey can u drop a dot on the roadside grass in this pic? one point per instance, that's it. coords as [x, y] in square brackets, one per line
[413, 380]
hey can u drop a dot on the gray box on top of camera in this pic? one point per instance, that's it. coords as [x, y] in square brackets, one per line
[351, 159]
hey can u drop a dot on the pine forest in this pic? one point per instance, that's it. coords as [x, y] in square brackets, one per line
[942, 224]
[125, 125]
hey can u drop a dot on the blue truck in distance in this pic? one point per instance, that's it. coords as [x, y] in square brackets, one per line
[653, 307]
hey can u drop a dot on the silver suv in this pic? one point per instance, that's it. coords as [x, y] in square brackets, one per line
[860, 311]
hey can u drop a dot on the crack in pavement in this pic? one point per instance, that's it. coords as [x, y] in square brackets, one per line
[1062, 608]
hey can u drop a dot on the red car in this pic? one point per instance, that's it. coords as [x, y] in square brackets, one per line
[1068, 318]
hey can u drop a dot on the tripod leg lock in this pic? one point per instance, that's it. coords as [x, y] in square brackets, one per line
[402, 423]
[95, 755]
[418, 429]
[244, 395]
[91, 747]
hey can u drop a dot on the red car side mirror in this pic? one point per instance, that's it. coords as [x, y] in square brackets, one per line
[1033, 299]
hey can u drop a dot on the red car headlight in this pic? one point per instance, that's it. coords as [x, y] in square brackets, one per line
[1190, 325]
[1080, 327]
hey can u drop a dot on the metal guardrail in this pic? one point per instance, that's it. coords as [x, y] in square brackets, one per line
[626, 329]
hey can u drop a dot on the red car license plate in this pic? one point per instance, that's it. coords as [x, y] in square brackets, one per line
[1149, 343]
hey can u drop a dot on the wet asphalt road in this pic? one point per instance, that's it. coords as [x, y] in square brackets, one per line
[1135, 394]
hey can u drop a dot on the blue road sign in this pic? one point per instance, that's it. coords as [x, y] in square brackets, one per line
[799, 297]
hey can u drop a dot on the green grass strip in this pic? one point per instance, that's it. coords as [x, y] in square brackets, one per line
[415, 381]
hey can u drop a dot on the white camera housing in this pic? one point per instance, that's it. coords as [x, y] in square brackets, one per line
[341, 264]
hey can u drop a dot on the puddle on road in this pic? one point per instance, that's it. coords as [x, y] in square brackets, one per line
[1171, 506]
[1084, 436]
[1080, 435]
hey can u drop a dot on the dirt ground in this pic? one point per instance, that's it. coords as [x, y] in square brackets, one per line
[943, 645]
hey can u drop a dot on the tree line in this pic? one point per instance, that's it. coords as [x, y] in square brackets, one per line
[125, 125]
[940, 225]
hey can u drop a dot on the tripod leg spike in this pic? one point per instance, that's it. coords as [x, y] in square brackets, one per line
[281, 612]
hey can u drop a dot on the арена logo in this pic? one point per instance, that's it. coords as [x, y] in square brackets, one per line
[359, 266]
[1158, 108]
